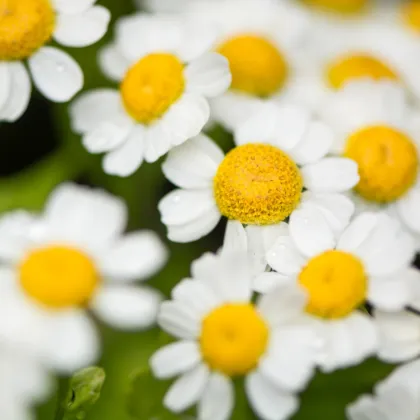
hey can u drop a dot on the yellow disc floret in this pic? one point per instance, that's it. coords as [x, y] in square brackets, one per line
[339, 6]
[336, 284]
[388, 162]
[152, 85]
[411, 15]
[257, 184]
[25, 26]
[59, 277]
[257, 66]
[233, 339]
[357, 66]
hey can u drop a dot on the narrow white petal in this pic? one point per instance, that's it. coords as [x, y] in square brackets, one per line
[235, 239]
[408, 207]
[269, 281]
[72, 6]
[5, 82]
[82, 29]
[112, 63]
[55, 74]
[106, 137]
[175, 359]
[218, 399]
[209, 75]
[159, 140]
[178, 320]
[389, 293]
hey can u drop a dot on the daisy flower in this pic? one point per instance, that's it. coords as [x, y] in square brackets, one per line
[368, 261]
[279, 151]
[26, 29]
[369, 118]
[263, 41]
[269, 348]
[165, 75]
[395, 398]
[352, 51]
[72, 257]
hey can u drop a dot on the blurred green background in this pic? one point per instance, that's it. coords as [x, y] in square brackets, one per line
[39, 151]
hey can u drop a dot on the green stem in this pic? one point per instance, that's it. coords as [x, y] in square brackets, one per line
[63, 388]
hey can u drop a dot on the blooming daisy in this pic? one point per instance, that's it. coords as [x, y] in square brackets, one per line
[72, 257]
[375, 126]
[165, 75]
[263, 41]
[26, 29]
[268, 347]
[368, 261]
[397, 397]
[279, 151]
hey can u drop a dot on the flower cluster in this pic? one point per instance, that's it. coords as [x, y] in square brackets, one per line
[318, 188]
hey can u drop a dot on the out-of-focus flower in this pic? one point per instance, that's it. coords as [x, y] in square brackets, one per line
[161, 101]
[26, 29]
[223, 335]
[368, 261]
[376, 126]
[279, 151]
[264, 42]
[72, 257]
[340, 7]
[397, 397]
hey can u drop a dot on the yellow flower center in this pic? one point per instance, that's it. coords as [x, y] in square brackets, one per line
[233, 339]
[388, 162]
[257, 66]
[257, 184]
[336, 284]
[357, 66]
[339, 6]
[152, 85]
[59, 277]
[25, 26]
[411, 15]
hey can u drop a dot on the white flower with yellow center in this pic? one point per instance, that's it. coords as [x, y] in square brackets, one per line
[26, 29]
[166, 76]
[72, 257]
[223, 336]
[263, 42]
[375, 126]
[368, 262]
[397, 397]
[279, 151]
[352, 51]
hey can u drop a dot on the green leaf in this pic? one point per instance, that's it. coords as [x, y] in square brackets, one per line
[83, 392]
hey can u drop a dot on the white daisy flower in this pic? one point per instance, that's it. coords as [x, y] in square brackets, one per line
[263, 41]
[375, 126]
[369, 261]
[166, 76]
[26, 29]
[352, 51]
[279, 151]
[71, 257]
[269, 347]
[397, 397]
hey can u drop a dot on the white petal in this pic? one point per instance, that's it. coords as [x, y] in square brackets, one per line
[84, 215]
[127, 307]
[127, 158]
[331, 175]
[93, 108]
[194, 163]
[72, 6]
[315, 144]
[5, 82]
[82, 29]
[408, 207]
[159, 140]
[106, 137]
[209, 75]
[269, 281]
[235, 239]
[218, 399]
[175, 359]
[19, 93]
[112, 63]
[187, 389]
[135, 256]
[311, 232]
[57, 76]
[389, 293]
[178, 320]
[73, 342]
[186, 118]
[268, 402]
